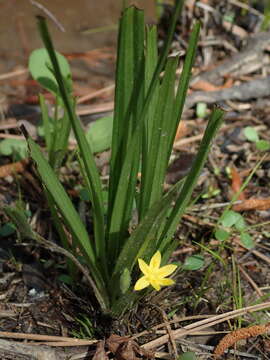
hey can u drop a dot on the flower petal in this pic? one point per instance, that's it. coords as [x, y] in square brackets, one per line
[141, 284]
[166, 270]
[143, 267]
[155, 284]
[155, 260]
[166, 282]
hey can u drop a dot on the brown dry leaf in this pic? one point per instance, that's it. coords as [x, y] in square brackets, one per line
[100, 353]
[182, 130]
[204, 85]
[244, 333]
[207, 86]
[253, 204]
[126, 352]
[115, 341]
[237, 183]
[126, 349]
[93, 56]
[17, 167]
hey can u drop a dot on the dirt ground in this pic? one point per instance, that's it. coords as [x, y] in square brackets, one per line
[41, 314]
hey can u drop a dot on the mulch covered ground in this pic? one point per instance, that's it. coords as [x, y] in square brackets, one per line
[229, 293]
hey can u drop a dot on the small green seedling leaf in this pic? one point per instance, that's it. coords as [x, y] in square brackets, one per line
[251, 134]
[14, 146]
[189, 355]
[230, 218]
[247, 241]
[263, 145]
[125, 280]
[194, 262]
[201, 110]
[222, 235]
[240, 224]
[99, 134]
[7, 229]
[212, 192]
[40, 67]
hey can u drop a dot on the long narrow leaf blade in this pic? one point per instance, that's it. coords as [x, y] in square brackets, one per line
[129, 96]
[184, 81]
[67, 210]
[128, 163]
[137, 244]
[85, 151]
[191, 180]
[154, 173]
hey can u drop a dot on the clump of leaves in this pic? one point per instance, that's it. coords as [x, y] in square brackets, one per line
[233, 223]
[146, 117]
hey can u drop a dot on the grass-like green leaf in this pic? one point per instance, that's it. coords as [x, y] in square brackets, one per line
[144, 236]
[122, 191]
[153, 173]
[128, 99]
[184, 81]
[86, 154]
[46, 123]
[68, 212]
[191, 180]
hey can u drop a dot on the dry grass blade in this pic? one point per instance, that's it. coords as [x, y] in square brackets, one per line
[47, 338]
[199, 325]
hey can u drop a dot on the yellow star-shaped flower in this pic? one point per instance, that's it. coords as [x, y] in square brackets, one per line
[154, 274]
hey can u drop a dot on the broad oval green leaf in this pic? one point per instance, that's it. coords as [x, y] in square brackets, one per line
[40, 67]
[189, 355]
[99, 134]
[251, 134]
[222, 235]
[194, 262]
[263, 145]
[16, 147]
[247, 241]
[230, 218]
[240, 223]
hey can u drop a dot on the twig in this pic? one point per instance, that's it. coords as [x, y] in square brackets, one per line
[12, 74]
[94, 94]
[170, 333]
[11, 136]
[186, 141]
[49, 14]
[93, 109]
[250, 280]
[261, 256]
